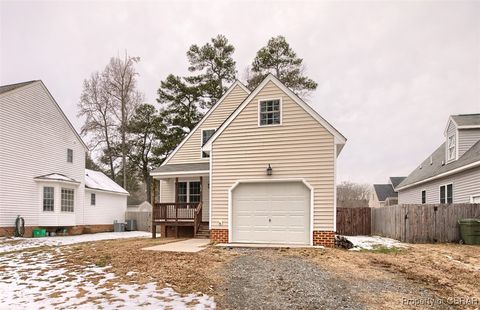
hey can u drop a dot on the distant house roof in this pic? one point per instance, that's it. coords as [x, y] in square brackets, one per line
[56, 177]
[9, 87]
[99, 181]
[175, 168]
[384, 191]
[466, 119]
[436, 166]
[396, 180]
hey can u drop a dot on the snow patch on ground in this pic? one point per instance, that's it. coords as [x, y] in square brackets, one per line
[16, 244]
[44, 280]
[372, 242]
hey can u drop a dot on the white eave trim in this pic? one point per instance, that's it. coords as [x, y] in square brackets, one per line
[105, 191]
[339, 138]
[154, 174]
[469, 127]
[229, 90]
[441, 175]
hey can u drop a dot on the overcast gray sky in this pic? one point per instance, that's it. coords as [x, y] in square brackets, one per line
[389, 73]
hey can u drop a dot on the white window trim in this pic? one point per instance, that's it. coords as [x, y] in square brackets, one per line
[455, 151]
[472, 197]
[74, 198]
[281, 111]
[201, 141]
[440, 192]
[421, 191]
[188, 189]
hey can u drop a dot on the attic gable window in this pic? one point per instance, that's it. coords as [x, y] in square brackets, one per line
[69, 155]
[451, 147]
[270, 112]
[206, 135]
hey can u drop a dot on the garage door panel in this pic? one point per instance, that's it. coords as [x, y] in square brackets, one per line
[277, 212]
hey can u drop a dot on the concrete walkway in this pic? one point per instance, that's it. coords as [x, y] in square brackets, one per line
[189, 245]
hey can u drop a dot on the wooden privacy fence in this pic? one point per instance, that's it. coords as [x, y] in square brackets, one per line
[144, 219]
[353, 221]
[422, 223]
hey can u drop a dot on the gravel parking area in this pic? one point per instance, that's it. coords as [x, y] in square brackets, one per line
[284, 279]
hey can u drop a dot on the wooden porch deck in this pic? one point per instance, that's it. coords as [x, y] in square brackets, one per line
[177, 214]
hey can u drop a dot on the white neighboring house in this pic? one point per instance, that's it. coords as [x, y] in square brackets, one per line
[42, 166]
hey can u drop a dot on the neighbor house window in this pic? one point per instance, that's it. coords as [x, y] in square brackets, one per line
[67, 200]
[188, 192]
[424, 196]
[451, 151]
[206, 134]
[270, 112]
[446, 193]
[70, 155]
[93, 199]
[48, 199]
[475, 199]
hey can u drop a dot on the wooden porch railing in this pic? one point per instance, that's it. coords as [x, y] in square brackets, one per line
[175, 214]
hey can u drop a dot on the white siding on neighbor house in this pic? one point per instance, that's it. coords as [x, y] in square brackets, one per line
[108, 207]
[190, 152]
[34, 139]
[465, 184]
[167, 192]
[298, 148]
[466, 139]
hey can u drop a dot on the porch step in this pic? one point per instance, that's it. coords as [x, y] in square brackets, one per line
[203, 232]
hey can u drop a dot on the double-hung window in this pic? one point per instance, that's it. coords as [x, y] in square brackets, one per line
[67, 200]
[206, 134]
[188, 192]
[93, 199]
[451, 145]
[424, 196]
[446, 193]
[69, 155]
[270, 112]
[48, 198]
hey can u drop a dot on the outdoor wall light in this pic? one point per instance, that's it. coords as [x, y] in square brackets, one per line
[269, 170]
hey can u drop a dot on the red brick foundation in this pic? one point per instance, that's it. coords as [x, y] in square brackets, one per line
[324, 238]
[219, 235]
[74, 230]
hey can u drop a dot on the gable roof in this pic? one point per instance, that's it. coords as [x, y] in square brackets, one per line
[56, 177]
[6, 88]
[9, 87]
[99, 181]
[384, 191]
[436, 167]
[396, 180]
[339, 138]
[463, 120]
[210, 111]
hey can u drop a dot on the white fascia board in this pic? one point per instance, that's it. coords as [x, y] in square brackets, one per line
[173, 173]
[229, 90]
[441, 175]
[339, 138]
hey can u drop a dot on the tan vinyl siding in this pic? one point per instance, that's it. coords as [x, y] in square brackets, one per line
[190, 152]
[299, 148]
[466, 139]
[465, 184]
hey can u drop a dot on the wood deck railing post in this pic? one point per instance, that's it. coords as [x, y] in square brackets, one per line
[154, 227]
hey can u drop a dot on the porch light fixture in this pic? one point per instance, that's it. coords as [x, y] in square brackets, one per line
[269, 170]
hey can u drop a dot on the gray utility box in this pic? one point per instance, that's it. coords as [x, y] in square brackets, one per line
[131, 225]
[118, 227]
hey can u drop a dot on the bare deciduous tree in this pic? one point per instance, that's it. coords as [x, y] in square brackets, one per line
[349, 191]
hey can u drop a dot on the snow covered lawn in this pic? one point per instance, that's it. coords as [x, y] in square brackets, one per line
[16, 244]
[373, 242]
[46, 279]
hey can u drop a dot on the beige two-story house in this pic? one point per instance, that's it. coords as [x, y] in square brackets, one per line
[259, 167]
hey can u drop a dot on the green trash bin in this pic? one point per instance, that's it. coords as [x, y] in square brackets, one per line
[470, 230]
[39, 232]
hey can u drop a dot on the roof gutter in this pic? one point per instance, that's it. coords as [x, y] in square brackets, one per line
[179, 173]
[441, 175]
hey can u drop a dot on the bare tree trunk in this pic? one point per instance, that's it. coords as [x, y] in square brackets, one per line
[124, 150]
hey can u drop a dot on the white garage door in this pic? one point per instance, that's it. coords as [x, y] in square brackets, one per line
[276, 212]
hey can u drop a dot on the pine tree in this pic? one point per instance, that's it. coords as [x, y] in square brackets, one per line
[279, 59]
[215, 68]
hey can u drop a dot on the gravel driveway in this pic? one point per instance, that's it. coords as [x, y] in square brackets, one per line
[270, 279]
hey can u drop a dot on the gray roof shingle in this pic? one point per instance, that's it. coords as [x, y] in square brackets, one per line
[182, 167]
[437, 166]
[467, 119]
[396, 180]
[5, 88]
[384, 191]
